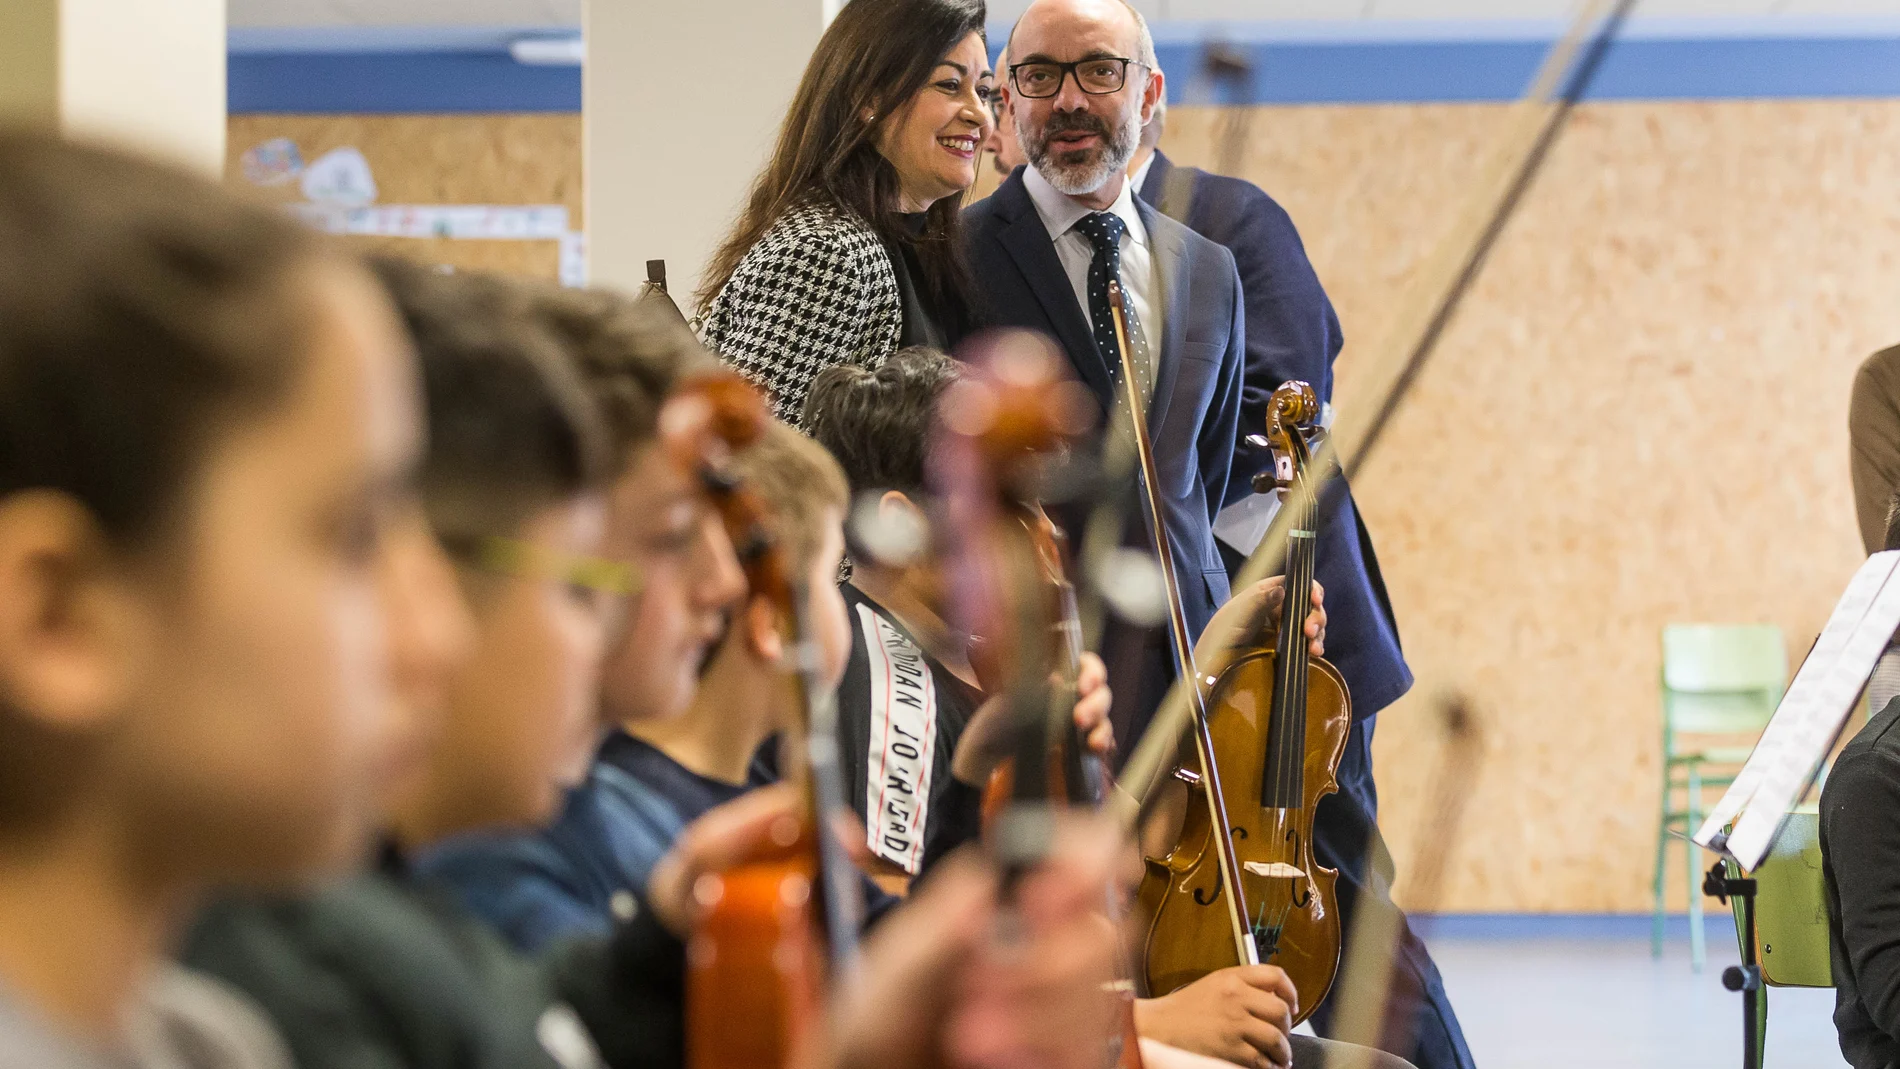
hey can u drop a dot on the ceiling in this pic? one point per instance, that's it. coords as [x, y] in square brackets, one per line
[370, 15]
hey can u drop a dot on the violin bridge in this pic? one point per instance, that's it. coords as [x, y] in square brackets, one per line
[1274, 870]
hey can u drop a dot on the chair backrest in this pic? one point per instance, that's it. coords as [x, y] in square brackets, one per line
[1720, 679]
[1791, 935]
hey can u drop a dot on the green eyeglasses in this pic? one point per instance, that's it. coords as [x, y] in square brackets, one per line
[528, 560]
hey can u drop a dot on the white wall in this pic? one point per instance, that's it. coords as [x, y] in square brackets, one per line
[682, 101]
[138, 72]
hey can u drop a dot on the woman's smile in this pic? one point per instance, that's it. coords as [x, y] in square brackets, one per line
[962, 146]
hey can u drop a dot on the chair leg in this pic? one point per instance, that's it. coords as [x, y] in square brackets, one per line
[1662, 846]
[1692, 859]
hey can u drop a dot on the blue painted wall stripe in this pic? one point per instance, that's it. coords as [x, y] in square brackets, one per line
[1303, 72]
[397, 82]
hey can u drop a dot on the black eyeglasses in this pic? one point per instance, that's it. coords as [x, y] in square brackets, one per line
[1039, 80]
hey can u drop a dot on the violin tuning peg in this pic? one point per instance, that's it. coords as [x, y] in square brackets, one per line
[1266, 482]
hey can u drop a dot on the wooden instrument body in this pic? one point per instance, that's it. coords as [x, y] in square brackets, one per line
[1276, 722]
[1187, 933]
[755, 967]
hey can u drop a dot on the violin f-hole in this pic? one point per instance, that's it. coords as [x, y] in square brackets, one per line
[1212, 896]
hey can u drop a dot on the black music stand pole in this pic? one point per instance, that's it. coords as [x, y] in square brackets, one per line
[1745, 978]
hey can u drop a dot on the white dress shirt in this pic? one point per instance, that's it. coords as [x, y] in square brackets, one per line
[1140, 177]
[1060, 213]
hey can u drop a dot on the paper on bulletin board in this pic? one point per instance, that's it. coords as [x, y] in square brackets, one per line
[340, 177]
[481, 222]
[490, 222]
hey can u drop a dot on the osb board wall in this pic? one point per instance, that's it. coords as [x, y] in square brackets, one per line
[1638, 418]
[442, 159]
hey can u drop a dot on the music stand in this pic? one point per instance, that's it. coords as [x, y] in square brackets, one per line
[1746, 821]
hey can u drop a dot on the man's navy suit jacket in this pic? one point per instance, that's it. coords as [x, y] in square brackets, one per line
[1293, 333]
[1195, 413]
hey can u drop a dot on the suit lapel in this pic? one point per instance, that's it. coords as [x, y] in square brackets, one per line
[1027, 241]
[1171, 286]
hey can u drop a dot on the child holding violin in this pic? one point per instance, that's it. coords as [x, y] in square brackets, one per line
[206, 431]
[919, 741]
[878, 423]
[655, 774]
[386, 969]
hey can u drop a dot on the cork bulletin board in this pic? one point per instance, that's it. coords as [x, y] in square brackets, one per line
[511, 160]
[1638, 418]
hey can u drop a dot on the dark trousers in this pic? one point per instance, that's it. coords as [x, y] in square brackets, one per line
[1346, 837]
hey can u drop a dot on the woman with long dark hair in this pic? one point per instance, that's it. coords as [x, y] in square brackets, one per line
[847, 248]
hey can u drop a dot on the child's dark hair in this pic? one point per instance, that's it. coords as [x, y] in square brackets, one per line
[878, 423]
[631, 353]
[143, 312]
[512, 428]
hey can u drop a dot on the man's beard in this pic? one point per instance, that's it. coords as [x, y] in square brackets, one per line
[1081, 171]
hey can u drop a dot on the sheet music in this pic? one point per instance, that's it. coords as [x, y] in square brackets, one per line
[1797, 702]
[1807, 721]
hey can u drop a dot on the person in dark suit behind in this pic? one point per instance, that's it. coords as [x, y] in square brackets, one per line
[1043, 248]
[1293, 333]
[1873, 438]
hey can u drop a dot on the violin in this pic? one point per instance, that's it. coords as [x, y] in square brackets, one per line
[778, 930]
[1006, 416]
[1236, 944]
[1279, 719]
[1003, 417]
[1074, 773]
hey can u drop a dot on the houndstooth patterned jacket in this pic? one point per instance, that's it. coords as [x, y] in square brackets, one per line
[817, 290]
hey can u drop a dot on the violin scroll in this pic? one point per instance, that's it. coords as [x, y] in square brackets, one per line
[1016, 405]
[710, 417]
[1291, 415]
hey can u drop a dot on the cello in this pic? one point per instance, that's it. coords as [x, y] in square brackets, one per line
[780, 929]
[1279, 718]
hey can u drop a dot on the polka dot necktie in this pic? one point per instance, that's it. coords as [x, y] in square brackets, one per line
[1104, 230]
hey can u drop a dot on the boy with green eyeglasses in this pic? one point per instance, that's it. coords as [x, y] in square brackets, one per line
[385, 970]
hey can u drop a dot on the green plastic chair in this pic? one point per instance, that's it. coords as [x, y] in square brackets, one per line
[1720, 685]
[1791, 935]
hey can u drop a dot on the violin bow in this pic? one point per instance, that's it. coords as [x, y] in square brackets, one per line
[1392, 368]
[1246, 948]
